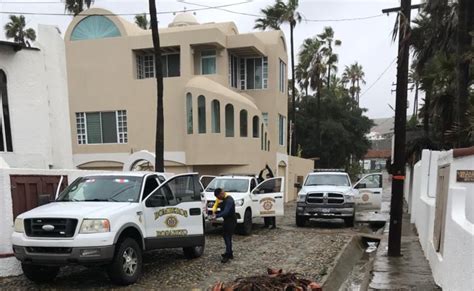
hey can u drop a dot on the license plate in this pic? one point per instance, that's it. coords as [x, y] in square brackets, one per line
[325, 210]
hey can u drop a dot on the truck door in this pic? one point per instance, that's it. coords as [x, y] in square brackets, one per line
[206, 180]
[173, 212]
[369, 192]
[268, 197]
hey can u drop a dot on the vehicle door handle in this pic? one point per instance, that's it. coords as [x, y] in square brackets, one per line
[195, 211]
[376, 192]
[254, 200]
[139, 213]
[278, 197]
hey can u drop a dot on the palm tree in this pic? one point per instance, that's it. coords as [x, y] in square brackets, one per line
[308, 50]
[16, 29]
[274, 17]
[142, 21]
[327, 38]
[77, 6]
[355, 75]
[159, 136]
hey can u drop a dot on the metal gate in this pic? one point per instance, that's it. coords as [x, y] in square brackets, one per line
[30, 191]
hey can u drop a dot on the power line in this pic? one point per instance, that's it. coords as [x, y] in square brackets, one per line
[378, 78]
[261, 16]
[117, 14]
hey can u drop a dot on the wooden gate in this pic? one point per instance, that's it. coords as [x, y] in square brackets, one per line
[442, 188]
[30, 191]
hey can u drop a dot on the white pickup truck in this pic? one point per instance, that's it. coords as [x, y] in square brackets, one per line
[110, 220]
[251, 200]
[329, 194]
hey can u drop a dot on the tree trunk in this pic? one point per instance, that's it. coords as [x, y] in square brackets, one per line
[159, 140]
[318, 121]
[426, 117]
[415, 102]
[465, 25]
[329, 75]
[293, 103]
[357, 92]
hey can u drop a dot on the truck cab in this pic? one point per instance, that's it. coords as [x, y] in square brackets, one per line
[252, 200]
[110, 220]
[329, 194]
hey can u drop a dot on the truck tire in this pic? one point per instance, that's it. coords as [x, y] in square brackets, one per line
[193, 252]
[246, 227]
[349, 222]
[126, 266]
[300, 221]
[39, 274]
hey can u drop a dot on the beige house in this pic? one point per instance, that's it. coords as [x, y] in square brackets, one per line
[225, 96]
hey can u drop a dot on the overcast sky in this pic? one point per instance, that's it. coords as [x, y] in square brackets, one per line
[366, 41]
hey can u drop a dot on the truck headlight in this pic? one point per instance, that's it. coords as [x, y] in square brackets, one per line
[301, 197]
[349, 198]
[239, 202]
[19, 225]
[95, 226]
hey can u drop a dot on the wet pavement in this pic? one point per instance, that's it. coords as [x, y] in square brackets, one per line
[411, 271]
[310, 251]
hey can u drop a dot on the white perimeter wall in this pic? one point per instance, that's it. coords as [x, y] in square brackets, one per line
[454, 269]
[38, 103]
[10, 266]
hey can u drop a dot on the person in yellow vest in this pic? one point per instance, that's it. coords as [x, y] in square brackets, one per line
[216, 204]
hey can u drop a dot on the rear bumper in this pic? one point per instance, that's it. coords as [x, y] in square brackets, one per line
[60, 256]
[345, 210]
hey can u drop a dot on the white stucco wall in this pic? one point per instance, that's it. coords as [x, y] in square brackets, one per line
[9, 266]
[38, 103]
[453, 269]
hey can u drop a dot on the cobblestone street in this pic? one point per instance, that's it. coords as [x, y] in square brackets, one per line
[310, 251]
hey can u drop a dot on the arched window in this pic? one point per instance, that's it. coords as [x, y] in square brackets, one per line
[201, 114]
[255, 122]
[5, 129]
[266, 141]
[261, 138]
[94, 27]
[189, 113]
[229, 120]
[268, 148]
[243, 123]
[215, 116]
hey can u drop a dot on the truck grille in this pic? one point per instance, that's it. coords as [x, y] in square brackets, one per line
[63, 227]
[325, 198]
[317, 198]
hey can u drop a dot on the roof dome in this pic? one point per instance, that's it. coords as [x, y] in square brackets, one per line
[183, 19]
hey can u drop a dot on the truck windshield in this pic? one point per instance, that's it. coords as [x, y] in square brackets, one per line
[323, 179]
[229, 185]
[103, 188]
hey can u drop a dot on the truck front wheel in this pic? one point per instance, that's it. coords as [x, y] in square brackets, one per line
[246, 227]
[300, 220]
[40, 274]
[193, 252]
[126, 266]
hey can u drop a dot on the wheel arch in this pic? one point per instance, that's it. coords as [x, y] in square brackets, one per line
[133, 231]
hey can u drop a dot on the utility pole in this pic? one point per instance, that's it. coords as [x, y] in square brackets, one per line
[398, 169]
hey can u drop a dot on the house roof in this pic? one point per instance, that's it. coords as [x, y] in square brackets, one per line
[16, 46]
[378, 154]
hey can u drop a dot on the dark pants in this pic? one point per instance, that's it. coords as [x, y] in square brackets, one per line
[270, 221]
[227, 232]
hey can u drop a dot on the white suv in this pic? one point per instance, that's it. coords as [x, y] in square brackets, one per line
[109, 220]
[251, 200]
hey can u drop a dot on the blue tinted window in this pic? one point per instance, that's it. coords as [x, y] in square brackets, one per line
[95, 27]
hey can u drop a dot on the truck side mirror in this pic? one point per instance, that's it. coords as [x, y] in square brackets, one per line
[298, 185]
[360, 186]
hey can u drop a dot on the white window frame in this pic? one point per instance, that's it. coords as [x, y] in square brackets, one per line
[122, 129]
[143, 65]
[209, 57]
[281, 129]
[282, 78]
[242, 63]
